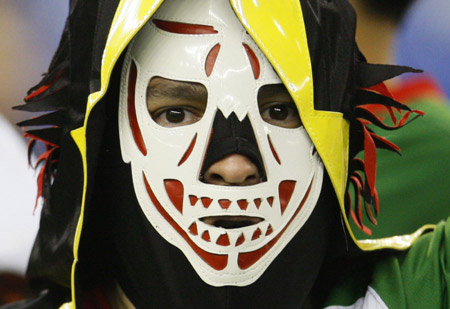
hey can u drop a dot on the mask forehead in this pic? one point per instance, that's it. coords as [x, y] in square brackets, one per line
[223, 56]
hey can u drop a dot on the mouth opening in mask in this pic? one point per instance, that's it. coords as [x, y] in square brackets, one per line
[231, 222]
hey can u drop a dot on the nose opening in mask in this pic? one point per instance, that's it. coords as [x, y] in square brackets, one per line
[233, 141]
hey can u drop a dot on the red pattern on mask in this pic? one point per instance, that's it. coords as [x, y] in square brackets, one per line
[183, 28]
[137, 135]
[216, 261]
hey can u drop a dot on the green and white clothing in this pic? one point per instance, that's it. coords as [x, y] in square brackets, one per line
[416, 278]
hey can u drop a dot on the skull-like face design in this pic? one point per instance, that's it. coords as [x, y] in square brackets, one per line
[221, 166]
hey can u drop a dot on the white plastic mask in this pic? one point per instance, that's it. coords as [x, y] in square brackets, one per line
[166, 162]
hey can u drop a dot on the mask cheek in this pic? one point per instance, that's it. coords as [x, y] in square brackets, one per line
[291, 152]
[132, 112]
[138, 132]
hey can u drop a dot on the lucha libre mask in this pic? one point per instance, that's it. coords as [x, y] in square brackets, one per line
[201, 44]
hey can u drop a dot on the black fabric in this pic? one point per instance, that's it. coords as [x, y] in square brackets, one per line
[157, 275]
[229, 135]
[330, 26]
[95, 239]
[57, 118]
[51, 257]
[70, 74]
[48, 299]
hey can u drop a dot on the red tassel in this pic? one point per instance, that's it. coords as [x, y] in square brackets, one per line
[43, 88]
[392, 114]
[404, 119]
[370, 160]
[45, 157]
[47, 163]
[418, 112]
[377, 202]
[370, 214]
[352, 213]
[385, 141]
[36, 138]
[365, 186]
[358, 187]
[381, 89]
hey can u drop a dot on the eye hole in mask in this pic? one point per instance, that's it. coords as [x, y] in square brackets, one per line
[277, 107]
[174, 103]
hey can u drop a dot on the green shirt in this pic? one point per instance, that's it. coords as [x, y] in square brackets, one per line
[416, 278]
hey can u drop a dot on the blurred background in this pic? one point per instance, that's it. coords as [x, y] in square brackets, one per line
[407, 32]
[29, 34]
[423, 39]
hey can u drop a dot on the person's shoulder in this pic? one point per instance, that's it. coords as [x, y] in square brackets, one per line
[416, 278]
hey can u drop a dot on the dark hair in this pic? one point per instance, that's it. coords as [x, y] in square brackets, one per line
[391, 8]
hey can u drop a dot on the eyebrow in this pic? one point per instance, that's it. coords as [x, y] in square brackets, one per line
[166, 88]
[272, 90]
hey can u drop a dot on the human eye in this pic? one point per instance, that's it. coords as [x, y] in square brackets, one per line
[281, 114]
[176, 116]
[174, 103]
[277, 107]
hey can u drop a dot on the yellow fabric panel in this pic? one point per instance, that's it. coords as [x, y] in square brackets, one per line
[128, 20]
[79, 136]
[401, 242]
[70, 305]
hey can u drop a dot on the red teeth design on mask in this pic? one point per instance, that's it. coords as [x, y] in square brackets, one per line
[247, 259]
[285, 190]
[269, 230]
[243, 204]
[193, 199]
[223, 240]
[225, 204]
[193, 229]
[216, 261]
[256, 234]
[270, 200]
[206, 236]
[175, 191]
[206, 201]
[257, 202]
[188, 151]
[240, 240]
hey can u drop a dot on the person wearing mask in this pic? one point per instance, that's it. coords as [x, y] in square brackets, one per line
[200, 154]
